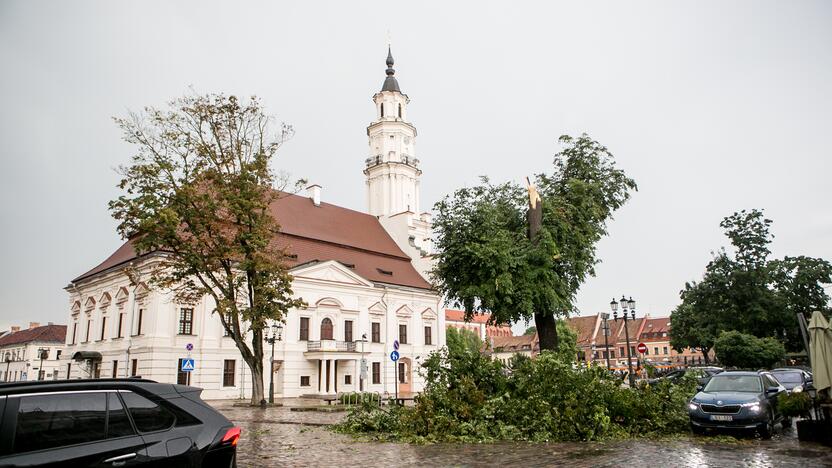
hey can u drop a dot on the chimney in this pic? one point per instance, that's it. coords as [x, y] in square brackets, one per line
[314, 193]
[33, 325]
[15, 329]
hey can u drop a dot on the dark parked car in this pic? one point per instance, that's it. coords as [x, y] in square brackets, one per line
[112, 422]
[698, 372]
[794, 379]
[738, 400]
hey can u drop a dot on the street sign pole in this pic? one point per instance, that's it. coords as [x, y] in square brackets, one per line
[396, 378]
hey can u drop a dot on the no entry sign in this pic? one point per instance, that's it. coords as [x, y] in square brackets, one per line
[642, 348]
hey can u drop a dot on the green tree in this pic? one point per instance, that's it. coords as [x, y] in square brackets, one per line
[567, 342]
[519, 256]
[460, 341]
[748, 291]
[198, 190]
[735, 349]
[530, 330]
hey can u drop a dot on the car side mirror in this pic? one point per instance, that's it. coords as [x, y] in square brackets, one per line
[699, 388]
[772, 389]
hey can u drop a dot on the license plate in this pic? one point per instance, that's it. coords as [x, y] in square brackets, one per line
[720, 417]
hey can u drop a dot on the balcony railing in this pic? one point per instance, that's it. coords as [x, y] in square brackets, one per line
[330, 345]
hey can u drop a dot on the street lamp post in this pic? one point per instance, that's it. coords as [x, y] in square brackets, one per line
[8, 362]
[41, 353]
[626, 306]
[605, 316]
[363, 364]
[277, 335]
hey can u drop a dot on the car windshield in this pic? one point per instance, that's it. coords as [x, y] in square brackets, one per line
[788, 377]
[734, 383]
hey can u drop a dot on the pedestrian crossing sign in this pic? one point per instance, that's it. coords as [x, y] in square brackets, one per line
[187, 365]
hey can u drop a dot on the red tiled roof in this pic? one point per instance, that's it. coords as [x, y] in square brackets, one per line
[584, 327]
[453, 315]
[514, 343]
[50, 333]
[325, 232]
[658, 326]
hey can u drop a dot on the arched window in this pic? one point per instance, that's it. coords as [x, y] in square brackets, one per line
[381, 108]
[400, 111]
[326, 329]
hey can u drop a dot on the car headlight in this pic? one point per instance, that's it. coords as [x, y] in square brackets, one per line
[693, 406]
[797, 389]
[754, 406]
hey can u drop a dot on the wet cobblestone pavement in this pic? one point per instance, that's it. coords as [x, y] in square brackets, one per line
[281, 437]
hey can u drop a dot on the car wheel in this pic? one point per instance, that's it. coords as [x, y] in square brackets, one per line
[697, 430]
[767, 430]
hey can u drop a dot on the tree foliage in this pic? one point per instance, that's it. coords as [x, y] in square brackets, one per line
[460, 341]
[530, 330]
[748, 291]
[486, 260]
[198, 190]
[735, 349]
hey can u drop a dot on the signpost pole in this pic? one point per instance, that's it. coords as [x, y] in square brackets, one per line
[396, 377]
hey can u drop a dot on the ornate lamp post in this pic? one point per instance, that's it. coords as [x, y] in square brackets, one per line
[277, 335]
[626, 306]
[42, 354]
[606, 328]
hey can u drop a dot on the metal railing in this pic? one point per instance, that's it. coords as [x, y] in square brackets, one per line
[330, 345]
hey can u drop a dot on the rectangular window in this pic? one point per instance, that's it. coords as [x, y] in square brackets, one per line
[229, 320]
[74, 330]
[664, 348]
[45, 421]
[186, 321]
[376, 372]
[304, 329]
[656, 350]
[120, 325]
[58, 354]
[376, 332]
[228, 373]
[304, 381]
[633, 351]
[68, 370]
[621, 351]
[103, 327]
[403, 334]
[612, 354]
[115, 369]
[605, 354]
[347, 379]
[87, 335]
[402, 376]
[134, 368]
[428, 336]
[182, 378]
[348, 331]
[139, 326]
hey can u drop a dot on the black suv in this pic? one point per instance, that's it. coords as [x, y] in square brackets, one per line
[112, 422]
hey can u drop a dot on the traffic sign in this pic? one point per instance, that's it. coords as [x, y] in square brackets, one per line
[189, 347]
[396, 345]
[188, 365]
[642, 348]
[394, 356]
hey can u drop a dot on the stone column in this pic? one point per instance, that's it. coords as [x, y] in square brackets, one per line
[329, 376]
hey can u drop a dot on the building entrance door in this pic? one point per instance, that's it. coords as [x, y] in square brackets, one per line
[404, 375]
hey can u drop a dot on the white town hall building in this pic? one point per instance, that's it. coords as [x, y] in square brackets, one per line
[362, 276]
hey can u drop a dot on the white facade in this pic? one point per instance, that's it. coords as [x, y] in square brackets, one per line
[22, 362]
[139, 331]
[332, 292]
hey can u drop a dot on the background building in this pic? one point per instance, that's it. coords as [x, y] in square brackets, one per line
[21, 352]
[478, 324]
[360, 274]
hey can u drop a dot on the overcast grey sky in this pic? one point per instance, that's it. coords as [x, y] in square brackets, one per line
[711, 106]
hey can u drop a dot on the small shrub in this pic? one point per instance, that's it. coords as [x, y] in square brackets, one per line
[795, 404]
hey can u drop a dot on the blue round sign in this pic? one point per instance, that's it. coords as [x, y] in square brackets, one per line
[394, 356]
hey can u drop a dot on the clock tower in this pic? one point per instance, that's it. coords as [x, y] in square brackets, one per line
[393, 173]
[392, 169]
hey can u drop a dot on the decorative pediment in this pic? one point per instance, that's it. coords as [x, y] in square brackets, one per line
[329, 302]
[404, 311]
[76, 307]
[429, 314]
[104, 300]
[89, 304]
[122, 295]
[329, 271]
[141, 291]
[378, 309]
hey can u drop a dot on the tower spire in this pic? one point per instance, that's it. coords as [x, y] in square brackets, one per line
[390, 83]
